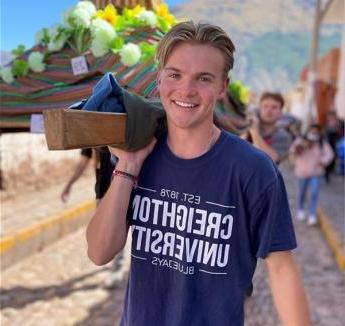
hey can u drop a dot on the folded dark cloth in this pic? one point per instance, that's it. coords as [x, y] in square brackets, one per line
[145, 117]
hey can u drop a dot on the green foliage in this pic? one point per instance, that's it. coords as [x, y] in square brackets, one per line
[18, 51]
[287, 51]
[162, 24]
[239, 91]
[20, 68]
[147, 50]
[117, 44]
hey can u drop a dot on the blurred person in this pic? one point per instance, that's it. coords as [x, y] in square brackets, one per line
[265, 133]
[310, 156]
[85, 158]
[202, 204]
[103, 171]
[333, 134]
[340, 151]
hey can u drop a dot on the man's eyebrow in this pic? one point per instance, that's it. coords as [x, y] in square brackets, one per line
[203, 73]
[207, 74]
[172, 69]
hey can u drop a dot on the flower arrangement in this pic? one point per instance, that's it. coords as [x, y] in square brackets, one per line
[101, 31]
[240, 92]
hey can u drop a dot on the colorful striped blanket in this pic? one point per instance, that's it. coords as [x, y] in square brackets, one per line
[57, 87]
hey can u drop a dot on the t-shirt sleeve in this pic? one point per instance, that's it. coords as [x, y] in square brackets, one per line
[271, 226]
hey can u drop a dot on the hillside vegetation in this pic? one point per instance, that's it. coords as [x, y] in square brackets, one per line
[272, 37]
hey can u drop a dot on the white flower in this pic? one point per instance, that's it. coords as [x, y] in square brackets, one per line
[99, 48]
[80, 17]
[102, 30]
[55, 30]
[130, 54]
[148, 17]
[102, 34]
[57, 37]
[35, 61]
[6, 74]
[88, 6]
[56, 45]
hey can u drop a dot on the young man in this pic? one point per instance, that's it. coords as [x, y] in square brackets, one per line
[264, 132]
[206, 204]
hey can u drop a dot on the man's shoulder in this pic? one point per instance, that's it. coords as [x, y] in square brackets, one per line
[282, 133]
[247, 155]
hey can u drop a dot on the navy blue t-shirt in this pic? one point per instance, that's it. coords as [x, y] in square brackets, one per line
[198, 226]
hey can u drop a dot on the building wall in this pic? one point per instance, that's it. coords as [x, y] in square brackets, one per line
[340, 97]
[27, 164]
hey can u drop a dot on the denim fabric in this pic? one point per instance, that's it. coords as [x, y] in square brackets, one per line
[146, 118]
[107, 96]
[313, 184]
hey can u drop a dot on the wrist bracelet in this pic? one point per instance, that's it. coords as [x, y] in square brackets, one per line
[127, 175]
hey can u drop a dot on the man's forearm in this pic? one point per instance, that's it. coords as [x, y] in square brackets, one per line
[83, 163]
[107, 231]
[287, 290]
[260, 143]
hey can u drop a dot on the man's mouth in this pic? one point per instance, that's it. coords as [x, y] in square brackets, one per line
[186, 105]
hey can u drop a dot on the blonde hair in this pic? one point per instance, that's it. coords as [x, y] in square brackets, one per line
[199, 33]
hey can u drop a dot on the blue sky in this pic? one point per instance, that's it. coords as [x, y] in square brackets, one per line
[21, 19]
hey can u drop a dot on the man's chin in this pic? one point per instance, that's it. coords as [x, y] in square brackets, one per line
[268, 120]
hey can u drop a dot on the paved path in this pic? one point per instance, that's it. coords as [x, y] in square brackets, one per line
[60, 286]
[334, 191]
[35, 206]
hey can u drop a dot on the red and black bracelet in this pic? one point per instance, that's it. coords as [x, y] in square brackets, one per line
[127, 175]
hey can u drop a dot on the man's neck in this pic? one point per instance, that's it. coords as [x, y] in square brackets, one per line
[189, 144]
[267, 128]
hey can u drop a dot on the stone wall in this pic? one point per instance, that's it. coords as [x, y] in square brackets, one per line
[27, 164]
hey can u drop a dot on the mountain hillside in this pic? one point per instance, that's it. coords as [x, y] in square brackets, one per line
[272, 37]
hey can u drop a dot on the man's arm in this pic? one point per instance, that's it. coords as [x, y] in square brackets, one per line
[106, 233]
[260, 143]
[287, 289]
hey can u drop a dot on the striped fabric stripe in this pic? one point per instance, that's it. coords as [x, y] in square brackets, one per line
[57, 87]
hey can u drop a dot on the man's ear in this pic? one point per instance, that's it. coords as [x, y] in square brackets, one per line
[159, 78]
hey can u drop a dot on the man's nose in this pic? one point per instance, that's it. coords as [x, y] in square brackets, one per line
[188, 87]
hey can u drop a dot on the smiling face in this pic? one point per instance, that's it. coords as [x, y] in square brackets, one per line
[190, 83]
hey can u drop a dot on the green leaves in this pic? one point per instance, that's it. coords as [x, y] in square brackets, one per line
[163, 24]
[239, 91]
[20, 68]
[18, 51]
[147, 50]
[117, 44]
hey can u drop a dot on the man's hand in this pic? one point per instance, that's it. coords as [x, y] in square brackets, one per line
[258, 140]
[254, 122]
[131, 162]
